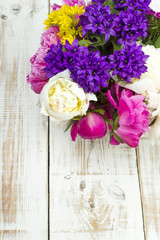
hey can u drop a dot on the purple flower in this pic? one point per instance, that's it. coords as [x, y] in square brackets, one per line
[131, 25]
[55, 59]
[139, 4]
[100, 1]
[128, 62]
[90, 70]
[98, 20]
[74, 48]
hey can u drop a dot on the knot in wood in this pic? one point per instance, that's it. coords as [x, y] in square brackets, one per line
[82, 185]
[3, 17]
[16, 8]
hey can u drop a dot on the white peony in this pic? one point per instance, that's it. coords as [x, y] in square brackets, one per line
[149, 87]
[62, 99]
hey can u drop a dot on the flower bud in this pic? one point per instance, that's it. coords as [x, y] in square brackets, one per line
[90, 127]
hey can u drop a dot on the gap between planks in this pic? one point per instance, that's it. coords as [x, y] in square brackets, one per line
[48, 161]
[140, 189]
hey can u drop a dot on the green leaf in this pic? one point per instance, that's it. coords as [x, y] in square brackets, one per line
[115, 123]
[153, 122]
[100, 41]
[77, 118]
[157, 43]
[107, 120]
[84, 42]
[116, 46]
[111, 4]
[116, 137]
[98, 110]
[69, 125]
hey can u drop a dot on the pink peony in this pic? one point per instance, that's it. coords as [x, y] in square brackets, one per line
[74, 2]
[132, 116]
[157, 14]
[55, 7]
[91, 126]
[50, 37]
[37, 78]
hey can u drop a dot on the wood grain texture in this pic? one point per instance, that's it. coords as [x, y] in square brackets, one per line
[24, 134]
[94, 190]
[149, 170]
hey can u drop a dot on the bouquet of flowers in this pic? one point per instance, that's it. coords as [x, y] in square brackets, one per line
[98, 69]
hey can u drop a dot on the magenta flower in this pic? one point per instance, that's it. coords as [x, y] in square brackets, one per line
[55, 6]
[150, 11]
[157, 14]
[132, 116]
[50, 37]
[74, 2]
[90, 127]
[37, 78]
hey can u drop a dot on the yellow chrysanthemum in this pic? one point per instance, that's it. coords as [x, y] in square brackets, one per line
[65, 18]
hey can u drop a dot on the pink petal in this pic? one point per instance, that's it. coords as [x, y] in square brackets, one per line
[92, 126]
[111, 100]
[128, 136]
[114, 141]
[74, 130]
[55, 7]
[37, 85]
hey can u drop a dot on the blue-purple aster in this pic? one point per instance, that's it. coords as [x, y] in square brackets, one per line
[88, 69]
[98, 20]
[139, 4]
[131, 25]
[56, 60]
[100, 1]
[129, 62]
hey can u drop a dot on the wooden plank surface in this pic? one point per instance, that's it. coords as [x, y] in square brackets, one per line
[149, 170]
[148, 163]
[96, 192]
[24, 133]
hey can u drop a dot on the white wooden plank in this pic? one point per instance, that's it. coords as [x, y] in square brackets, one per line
[155, 5]
[89, 172]
[149, 168]
[23, 139]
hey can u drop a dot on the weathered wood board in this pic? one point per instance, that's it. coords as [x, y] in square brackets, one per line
[24, 133]
[88, 190]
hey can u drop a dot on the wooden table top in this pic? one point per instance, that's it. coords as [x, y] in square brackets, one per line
[50, 187]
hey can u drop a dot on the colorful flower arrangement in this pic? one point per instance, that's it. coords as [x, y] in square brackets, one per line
[98, 69]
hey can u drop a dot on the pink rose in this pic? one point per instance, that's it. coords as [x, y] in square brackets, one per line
[37, 78]
[74, 2]
[50, 37]
[132, 118]
[55, 7]
[157, 14]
